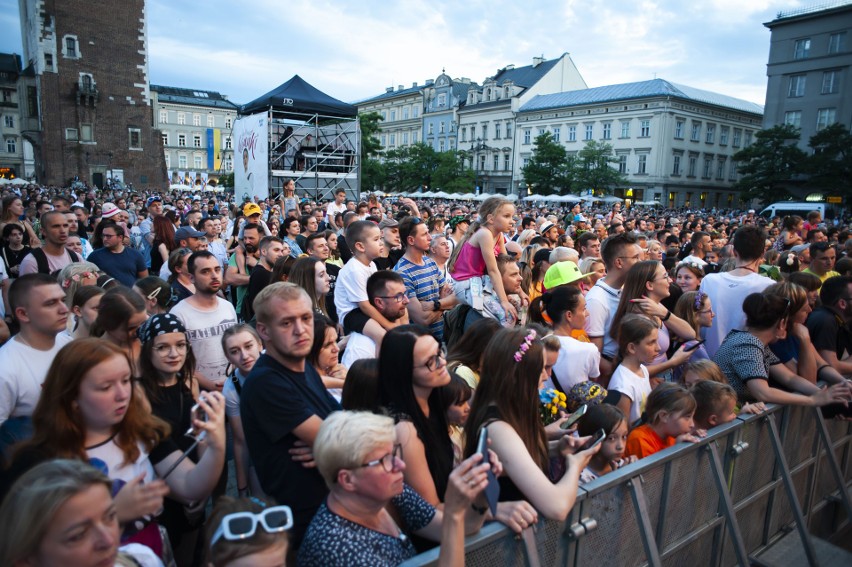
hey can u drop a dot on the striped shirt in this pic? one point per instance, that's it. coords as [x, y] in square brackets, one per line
[424, 282]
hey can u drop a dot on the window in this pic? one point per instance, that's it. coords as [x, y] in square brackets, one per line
[557, 133]
[165, 137]
[747, 140]
[541, 132]
[836, 42]
[393, 140]
[384, 140]
[228, 122]
[405, 138]
[135, 138]
[508, 130]
[802, 48]
[710, 137]
[691, 167]
[181, 118]
[414, 136]
[607, 131]
[431, 128]
[442, 100]
[196, 120]
[182, 162]
[405, 112]
[830, 82]
[732, 171]
[679, 129]
[229, 164]
[720, 168]
[506, 162]
[168, 161]
[416, 111]
[9, 121]
[196, 162]
[164, 117]
[196, 141]
[32, 102]
[441, 128]
[643, 164]
[572, 133]
[482, 163]
[182, 140]
[464, 134]
[228, 143]
[48, 61]
[707, 165]
[696, 132]
[86, 133]
[825, 117]
[484, 131]
[793, 118]
[644, 128]
[797, 86]
[723, 135]
[496, 162]
[393, 115]
[737, 136]
[441, 147]
[622, 163]
[472, 133]
[676, 165]
[496, 130]
[71, 134]
[70, 47]
[590, 128]
[11, 145]
[527, 135]
[625, 129]
[211, 120]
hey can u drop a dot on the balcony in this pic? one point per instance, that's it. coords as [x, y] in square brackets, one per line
[86, 94]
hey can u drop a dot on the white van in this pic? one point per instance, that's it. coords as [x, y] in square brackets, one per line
[786, 208]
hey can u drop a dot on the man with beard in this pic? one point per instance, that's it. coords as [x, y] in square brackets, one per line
[386, 292]
[284, 402]
[271, 250]
[53, 255]
[237, 275]
[206, 316]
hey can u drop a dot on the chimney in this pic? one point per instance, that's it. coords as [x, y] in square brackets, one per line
[401, 88]
[464, 80]
[389, 90]
[414, 85]
[429, 82]
[509, 67]
[537, 61]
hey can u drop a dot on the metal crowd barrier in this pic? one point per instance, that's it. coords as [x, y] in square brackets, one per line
[720, 502]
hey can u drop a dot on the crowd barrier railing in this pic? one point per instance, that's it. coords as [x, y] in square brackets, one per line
[722, 501]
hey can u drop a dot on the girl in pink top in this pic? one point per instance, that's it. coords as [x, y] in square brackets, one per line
[476, 254]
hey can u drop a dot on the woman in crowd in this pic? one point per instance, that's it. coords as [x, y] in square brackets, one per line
[84, 306]
[507, 403]
[156, 293]
[89, 410]
[120, 313]
[76, 275]
[13, 249]
[247, 532]
[179, 280]
[596, 269]
[688, 276]
[578, 361]
[748, 363]
[655, 251]
[465, 356]
[324, 356]
[333, 250]
[13, 210]
[163, 245]
[282, 268]
[534, 285]
[646, 286]
[360, 391]
[310, 274]
[62, 513]
[360, 457]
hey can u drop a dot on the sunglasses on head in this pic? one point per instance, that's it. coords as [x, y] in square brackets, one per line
[243, 525]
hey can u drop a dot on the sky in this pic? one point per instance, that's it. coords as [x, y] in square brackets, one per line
[353, 50]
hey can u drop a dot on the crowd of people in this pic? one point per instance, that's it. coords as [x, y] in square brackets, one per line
[352, 358]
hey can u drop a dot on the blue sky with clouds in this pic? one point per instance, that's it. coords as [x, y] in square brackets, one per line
[355, 49]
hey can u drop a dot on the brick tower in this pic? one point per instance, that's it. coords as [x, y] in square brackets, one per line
[90, 58]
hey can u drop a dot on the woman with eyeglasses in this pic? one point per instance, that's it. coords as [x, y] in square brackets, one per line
[156, 293]
[89, 410]
[371, 512]
[247, 532]
[645, 288]
[753, 370]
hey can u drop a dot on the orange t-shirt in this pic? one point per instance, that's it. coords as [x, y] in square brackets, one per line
[644, 441]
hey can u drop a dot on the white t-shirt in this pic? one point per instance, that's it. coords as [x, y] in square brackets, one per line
[332, 209]
[602, 302]
[22, 373]
[109, 459]
[205, 329]
[693, 260]
[577, 362]
[357, 347]
[726, 294]
[30, 266]
[351, 286]
[232, 397]
[633, 386]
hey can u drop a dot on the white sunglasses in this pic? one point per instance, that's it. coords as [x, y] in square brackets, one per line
[243, 525]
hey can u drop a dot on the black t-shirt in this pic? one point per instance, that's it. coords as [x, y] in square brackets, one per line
[389, 262]
[332, 270]
[260, 278]
[274, 401]
[829, 332]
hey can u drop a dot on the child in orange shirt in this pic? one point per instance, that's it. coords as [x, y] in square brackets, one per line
[668, 419]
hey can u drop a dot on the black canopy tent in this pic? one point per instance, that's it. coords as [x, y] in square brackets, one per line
[314, 139]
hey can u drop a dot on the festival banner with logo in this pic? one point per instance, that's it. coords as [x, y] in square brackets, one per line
[251, 157]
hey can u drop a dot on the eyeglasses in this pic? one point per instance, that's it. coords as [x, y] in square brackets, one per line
[636, 257]
[105, 235]
[243, 525]
[399, 297]
[389, 460]
[434, 361]
[165, 350]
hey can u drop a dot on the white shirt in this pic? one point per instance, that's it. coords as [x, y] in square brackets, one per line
[726, 293]
[602, 302]
[358, 347]
[22, 373]
[693, 260]
[577, 362]
[204, 329]
[332, 209]
[633, 386]
[351, 286]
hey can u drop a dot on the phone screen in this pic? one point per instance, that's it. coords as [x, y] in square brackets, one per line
[596, 439]
[492, 491]
[574, 417]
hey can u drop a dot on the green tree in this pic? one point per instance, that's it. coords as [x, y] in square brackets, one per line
[592, 169]
[830, 166]
[770, 164]
[451, 175]
[373, 172]
[549, 168]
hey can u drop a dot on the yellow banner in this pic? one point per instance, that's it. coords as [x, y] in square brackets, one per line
[217, 149]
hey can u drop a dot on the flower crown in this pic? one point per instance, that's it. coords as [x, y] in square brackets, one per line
[525, 346]
[78, 278]
[699, 297]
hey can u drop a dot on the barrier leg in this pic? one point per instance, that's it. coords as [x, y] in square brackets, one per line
[832, 462]
[652, 552]
[781, 460]
[727, 505]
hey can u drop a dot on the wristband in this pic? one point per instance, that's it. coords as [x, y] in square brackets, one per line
[481, 511]
[668, 315]
[821, 367]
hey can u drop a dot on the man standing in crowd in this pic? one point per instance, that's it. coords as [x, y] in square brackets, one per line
[236, 276]
[211, 226]
[154, 206]
[823, 256]
[551, 233]
[620, 253]
[271, 249]
[119, 261]
[206, 316]
[426, 288]
[701, 245]
[392, 246]
[727, 290]
[829, 324]
[37, 302]
[590, 245]
[284, 402]
[336, 206]
[53, 255]
[439, 252]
